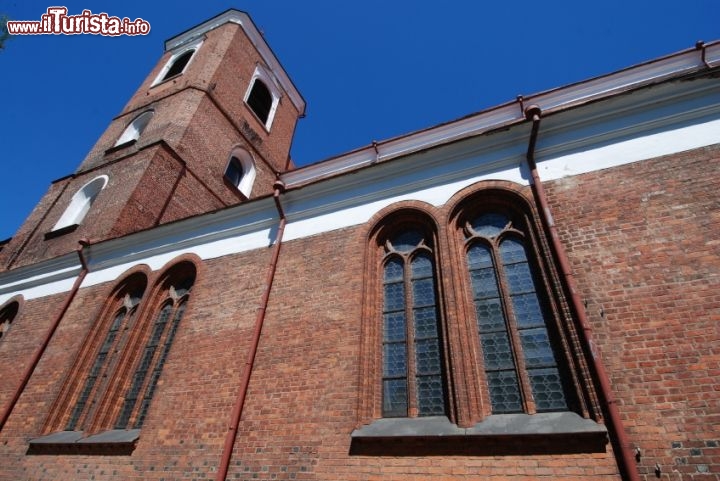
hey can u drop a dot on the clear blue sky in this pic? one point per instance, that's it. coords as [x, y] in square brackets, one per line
[369, 69]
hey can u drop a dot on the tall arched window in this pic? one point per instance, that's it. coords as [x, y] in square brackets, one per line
[412, 372]
[81, 202]
[173, 299]
[135, 128]
[519, 357]
[118, 324]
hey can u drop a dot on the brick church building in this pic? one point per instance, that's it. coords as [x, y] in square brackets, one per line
[528, 292]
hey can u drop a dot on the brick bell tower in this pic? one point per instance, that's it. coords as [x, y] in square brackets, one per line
[210, 127]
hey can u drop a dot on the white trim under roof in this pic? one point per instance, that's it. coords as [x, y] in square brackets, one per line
[246, 23]
[666, 68]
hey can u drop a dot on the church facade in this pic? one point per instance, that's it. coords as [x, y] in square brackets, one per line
[529, 292]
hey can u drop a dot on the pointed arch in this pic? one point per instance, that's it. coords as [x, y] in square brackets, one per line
[165, 310]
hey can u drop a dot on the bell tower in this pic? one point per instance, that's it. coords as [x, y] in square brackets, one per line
[210, 127]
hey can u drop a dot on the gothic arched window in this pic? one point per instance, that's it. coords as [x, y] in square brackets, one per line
[118, 322]
[412, 372]
[519, 358]
[171, 303]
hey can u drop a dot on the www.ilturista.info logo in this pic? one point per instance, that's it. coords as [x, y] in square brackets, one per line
[57, 22]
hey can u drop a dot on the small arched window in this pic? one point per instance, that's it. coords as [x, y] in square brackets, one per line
[240, 171]
[178, 65]
[81, 202]
[262, 97]
[178, 62]
[260, 100]
[7, 316]
[135, 128]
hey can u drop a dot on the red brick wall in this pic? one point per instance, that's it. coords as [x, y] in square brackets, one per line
[643, 245]
[643, 241]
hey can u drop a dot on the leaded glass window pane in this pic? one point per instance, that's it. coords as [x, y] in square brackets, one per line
[406, 241]
[395, 397]
[504, 392]
[548, 389]
[394, 327]
[395, 360]
[409, 295]
[394, 296]
[489, 224]
[394, 270]
[431, 399]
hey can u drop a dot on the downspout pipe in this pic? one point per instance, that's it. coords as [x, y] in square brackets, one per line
[48, 336]
[625, 458]
[250, 360]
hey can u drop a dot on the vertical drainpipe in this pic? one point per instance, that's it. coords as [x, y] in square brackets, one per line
[250, 361]
[625, 458]
[53, 327]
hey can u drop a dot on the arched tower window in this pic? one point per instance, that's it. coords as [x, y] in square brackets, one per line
[240, 171]
[262, 96]
[81, 202]
[178, 62]
[135, 128]
[260, 100]
[412, 372]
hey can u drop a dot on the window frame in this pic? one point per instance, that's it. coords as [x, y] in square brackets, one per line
[264, 76]
[97, 422]
[9, 312]
[249, 172]
[161, 77]
[80, 204]
[577, 429]
[135, 128]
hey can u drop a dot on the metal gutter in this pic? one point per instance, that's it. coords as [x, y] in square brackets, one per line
[48, 336]
[624, 452]
[250, 360]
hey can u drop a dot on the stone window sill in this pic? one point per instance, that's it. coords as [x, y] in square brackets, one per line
[112, 442]
[502, 434]
[61, 231]
[124, 145]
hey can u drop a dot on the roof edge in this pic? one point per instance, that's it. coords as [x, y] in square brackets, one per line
[245, 22]
[703, 57]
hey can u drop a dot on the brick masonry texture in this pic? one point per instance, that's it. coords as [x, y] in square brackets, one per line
[640, 239]
[644, 246]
